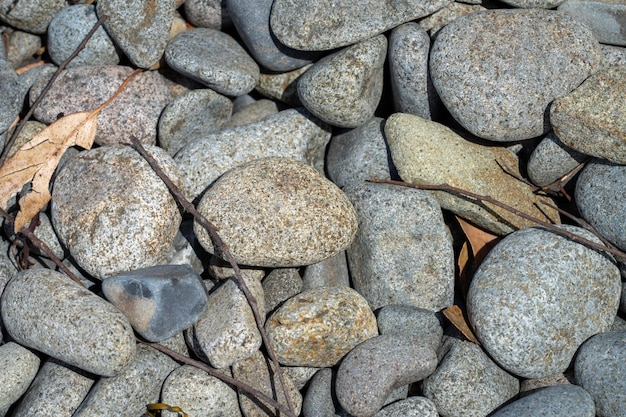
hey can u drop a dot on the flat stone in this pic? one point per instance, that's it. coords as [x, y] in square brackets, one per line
[139, 28]
[416, 265]
[426, 152]
[538, 296]
[331, 272]
[604, 17]
[10, 95]
[206, 13]
[318, 401]
[599, 368]
[280, 285]
[67, 322]
[31, 16]
[19, 367]
[410, 407]
[551, 160]
[214, 59]
[314, 26]
[497, 71]
[419, 322]
[278, 212]
[102, 195]
[344, 88]
[592, 118]
[318, 327]
[557, 401]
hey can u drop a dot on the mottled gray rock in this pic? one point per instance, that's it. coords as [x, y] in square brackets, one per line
[551, 160]
[599, 368]
[402, 252]
[419, 322]
[528, 386]
[604, 17]
[314, 26]
[344, 88]
[557, 401]
[331, 272]
[580, 119]
[67, 322]
[622, 304]
[538, 296]
[112, 212]
[619, 324]
[411, 407]
[359, 154]
[280, 285]
[434, 22]
[22, 48]
[372, 370]
[318, 401]
[19, 367]
[300, 375]
[497, 71]
[467, 382]
[207, 13]
[278, 212]
[214, 59]
[30, 15]
[45, 232]
[10, 95]
[253, 112]
[545, 4]
[282, 86]
[69, 27]
[139, 28]
[318, 327]
[612, 55]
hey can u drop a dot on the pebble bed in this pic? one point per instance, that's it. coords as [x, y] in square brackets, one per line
[271, 115]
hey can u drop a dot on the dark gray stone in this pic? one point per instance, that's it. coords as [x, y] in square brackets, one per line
[332, 272]
[206, 13]
[318, 401]
[10, 95]
[419, 322]
[19, 367]
[30, 15]
[551, 160]
[605, 18]
[280, 285]
[557, 401]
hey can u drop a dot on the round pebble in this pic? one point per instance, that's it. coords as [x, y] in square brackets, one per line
[22, 48]
[31, 16]
[19, 367]
[411, 407]
[318, 401]
[10, 95]
[419, 322]
[604, 18]
[557, 401]
[551, 160]
[280, 285]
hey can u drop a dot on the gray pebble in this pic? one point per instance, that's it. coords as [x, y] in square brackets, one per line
[605, 18]
[528, 386]
[416, 266]
[282, 86]
[31, 16]
[45, 232]
[557, 401]
[434, 22]
[254, 112]
[545, 4]
[419, 322]
[410, 407]
[318, 401]
[300, 375]
[619, 324]
[207, 13]
[10, 95]
[538, 296]
[331, 272]
[612, 55]
[280, 285]
[19, 367]
[22, 48]
[214, 59]
[551, 160]
[600, 368]
[622, 304]
[343, 89]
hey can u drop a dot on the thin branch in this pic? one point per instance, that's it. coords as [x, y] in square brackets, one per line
[223, 249]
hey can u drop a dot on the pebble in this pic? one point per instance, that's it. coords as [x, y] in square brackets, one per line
[207, 13]
[282, 86]
[605, 18]
[372, 370]
[278, 212]
[613, 55]
[600, 367]
[280, 285]
[314, 26]
[112, 211]
[545, 4]
[433, 23]
[67, 322]
[426, 152]
[538, 296]
[318, 401]
[10, 95]
[551, 160]
[497, 71]
[214, 59]
[30, 16]
[318, 327]
[557, 401]
[19, 367]
[344, 88]
[300, 375]
[331, 272]
[419, 322]
[45, 232]
[410, 407]
[254, 112]
[592, 118]
[22, 48]
[416, 266]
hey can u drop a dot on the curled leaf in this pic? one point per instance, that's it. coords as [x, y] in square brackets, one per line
[455, 315]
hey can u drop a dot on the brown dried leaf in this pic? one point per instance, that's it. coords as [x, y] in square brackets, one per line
[480, 241]
[455, 315]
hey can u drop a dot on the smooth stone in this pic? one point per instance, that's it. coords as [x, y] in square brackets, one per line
[191, 116]
[22, 48]
[214, 59]
[600, 197]
[600, 367]
[102, 194]
[344, 88]
[426, 152]
[199, 394]
[292, 133]
[434, 22]
[282, 86]
[32, 16]
[410, 407]
[254, 112]
[557, 401]
[538, 296]
[69, 27]
[300, 375]
[10, 95]
[207, 13]
[45, 232]
[373, 369]
[139, 28]
[622, 304]
[67, 322]
[331, 272]
[359, 154]
[314, 26]
[159, 301]
[592, 118]
[296, 216]
[415, 266]
[319, 326]
[280, 285]
[134, 112]
[419, 322]
[544, 4]
[318, 401]
[618, 325]
[128, 392]
[528, 386]
[605, 18]
[497, 71]
[19, 367]
[468, 382]
[551, 160]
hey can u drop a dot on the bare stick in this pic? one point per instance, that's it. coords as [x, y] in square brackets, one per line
[223, 249]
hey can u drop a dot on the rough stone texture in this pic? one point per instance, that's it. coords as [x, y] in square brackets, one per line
[19, 367]
[45, 232]
[30, 15]
[402, 252]
[344, 88]
[280, 285]
[551, 160]
[282, 86]
[419, 322]
[112, 212]
[292, 133]
[411, 407]
[253, 112]
[426, 152]
[318, 401]
[528, 386]
[557, 401]
[199, 394]
[600, 367]
[22, 48]
[592, 118]
[214, 59]
[521, 300]
[467, 382]
[433, 23]
[318, 327]
[278, 212]
[67, 322]
[612, 55]
[331, 272]
[604, 17]
[497, 71]
[139, 28]
[10, 95]
[317, 26]
[372, 370]
[600, 196]
[545, 4]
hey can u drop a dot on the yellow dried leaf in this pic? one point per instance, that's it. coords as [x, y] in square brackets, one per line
[455, 315]
[480, 241]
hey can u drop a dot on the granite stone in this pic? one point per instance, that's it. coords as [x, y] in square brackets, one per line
[331, 272]
[557, 401]
[253, 112]
[318, 401]
[604, 17]
[279, 285]
[419, 322]
[282, 86]
[19, 367]
[410, 407]
[551, 160]
[30, 15]
[207, 13]
[10, 95]
[23, 48]
[434, 22]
